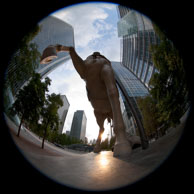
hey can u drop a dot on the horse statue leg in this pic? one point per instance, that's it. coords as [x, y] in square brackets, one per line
[100, 121]
[122, 147]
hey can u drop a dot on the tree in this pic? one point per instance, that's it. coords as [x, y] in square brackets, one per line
[49, 115]
[150, 115]
[53, 136]
[169, 87]
[29, 100]
[104, 144]
[112, 142]
[21, 108]
[24, 61]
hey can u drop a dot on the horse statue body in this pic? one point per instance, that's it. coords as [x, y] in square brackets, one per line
[102, 93]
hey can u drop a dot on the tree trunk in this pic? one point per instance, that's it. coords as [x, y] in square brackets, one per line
[43, 142]
[19, 129]
[43, 139]
[44, 136]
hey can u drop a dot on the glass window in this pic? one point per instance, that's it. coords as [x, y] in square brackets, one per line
[144, 71]
[129, 52]
[140, 68]
[128, 24]
[139, 22]
[147, 23]
[149, 74]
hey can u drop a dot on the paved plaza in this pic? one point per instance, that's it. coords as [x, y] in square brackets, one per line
[91, 171]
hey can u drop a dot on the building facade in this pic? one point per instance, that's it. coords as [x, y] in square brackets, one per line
[62, 112]
[78, 127]
[67, 133]
[137, 34]
[130, 88]
[133, 75]
[53, 31]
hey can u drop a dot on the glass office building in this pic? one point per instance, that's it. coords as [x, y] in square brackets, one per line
[130, 82]
[78, 127]
[137, 34]
[62, 112]
[130, 88]
[133, 75]
[53, 31]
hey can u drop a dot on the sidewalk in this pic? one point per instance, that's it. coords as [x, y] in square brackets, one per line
[97, 172]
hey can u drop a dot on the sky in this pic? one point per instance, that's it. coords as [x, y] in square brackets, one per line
[95, 29]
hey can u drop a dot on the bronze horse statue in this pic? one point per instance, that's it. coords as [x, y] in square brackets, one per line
[102, 93]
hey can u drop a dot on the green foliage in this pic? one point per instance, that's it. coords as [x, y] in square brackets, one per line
[36, 95]
[112, 142]
[104, 144]
[49, 111]
[169, 87]
[25, 60]
[107, 145]
[150, 114]
[29, 36]
[30, 100]
[49, 117]
[35, 127]
[62, 139]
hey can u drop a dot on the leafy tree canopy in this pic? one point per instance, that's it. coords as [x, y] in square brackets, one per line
[169, 87]
[150, 114]
[30, 99]
[24, 61]
[49, 117]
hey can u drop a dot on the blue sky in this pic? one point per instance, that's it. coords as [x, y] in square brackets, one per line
[95, 29]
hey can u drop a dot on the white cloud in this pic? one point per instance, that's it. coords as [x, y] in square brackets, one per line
[111, 49]
[82, 17]
[101, 25]
[110, 6]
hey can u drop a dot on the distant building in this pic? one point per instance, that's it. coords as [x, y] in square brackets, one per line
[78, 127]
[86, 140]
[62, 112]
[68, 133]
[94, 141]
[90, 142]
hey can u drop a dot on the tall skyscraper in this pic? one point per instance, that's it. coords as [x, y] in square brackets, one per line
[62, 112]
[137, 33]
[53, 31]
[133, 75]
[78, 127]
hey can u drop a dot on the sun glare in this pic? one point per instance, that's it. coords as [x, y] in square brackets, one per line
[103, 159]
[104, 136]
